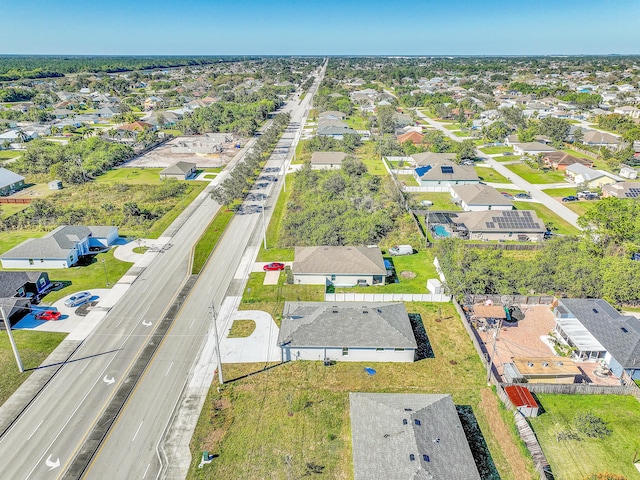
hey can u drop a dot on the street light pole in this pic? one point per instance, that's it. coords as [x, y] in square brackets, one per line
[14, 347]
[215, 332]
[104, 265]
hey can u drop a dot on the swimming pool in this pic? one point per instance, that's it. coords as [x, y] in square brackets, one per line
[441, 231]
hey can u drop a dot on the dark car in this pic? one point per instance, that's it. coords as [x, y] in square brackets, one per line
[273, 267]
[523, 195]
[48, 315]
[570, 198]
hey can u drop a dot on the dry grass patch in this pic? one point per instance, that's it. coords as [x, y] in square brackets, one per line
[242, 328]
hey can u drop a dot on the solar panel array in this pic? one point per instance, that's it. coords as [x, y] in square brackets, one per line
[446, 169]
[513, 220]
[632, 192]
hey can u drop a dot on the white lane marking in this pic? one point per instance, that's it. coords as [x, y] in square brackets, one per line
[171, 365]
[191, 324]
[145, 471]
[138, 430]
[51, 464]
[36, 429]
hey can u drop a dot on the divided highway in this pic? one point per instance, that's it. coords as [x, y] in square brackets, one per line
[44, 441]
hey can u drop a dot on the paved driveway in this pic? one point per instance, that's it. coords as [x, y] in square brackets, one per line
[260, 346]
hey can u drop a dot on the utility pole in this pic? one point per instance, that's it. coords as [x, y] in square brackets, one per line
[214, 316]
[105, 272]
[14, 347]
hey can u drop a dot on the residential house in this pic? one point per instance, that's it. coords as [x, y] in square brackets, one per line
[439, 176]
[600, 139]
[346, 332]
[337, 132]
[579, 174]
[137, 126]
[531, 148]
[500, 225]
[179, 171]
[430, 158]
[622, 190]
[332, 115]
[627, 110]
[23, 284]
[10, 182]
[400, 436]
[402, 119]
[597, 331]
[338, 266]
[411, 136]
[561, 160]
[327, 160]
[477, 197]
[107, 112]
[60, 248]
[628, 172]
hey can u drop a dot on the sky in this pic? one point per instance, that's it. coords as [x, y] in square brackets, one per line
[328, 27]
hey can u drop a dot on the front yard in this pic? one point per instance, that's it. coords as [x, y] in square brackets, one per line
[572, 459]
[551, 219]
[489, 175]
[536, 176]
[494, 150]
[292, 420]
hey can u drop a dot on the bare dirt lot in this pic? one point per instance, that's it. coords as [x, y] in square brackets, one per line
[163, 156]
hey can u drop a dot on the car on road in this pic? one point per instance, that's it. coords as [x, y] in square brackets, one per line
[507, 195]
[273, 267]
[523, 195]
[48, 315]
[570, 198]
[77, 299]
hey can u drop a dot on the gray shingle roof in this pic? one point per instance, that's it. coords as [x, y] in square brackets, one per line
[427, 158]
[608, 327]
[476, 194]
[346, 324]
[10, 282]
[8, 178]
[387, 428]
[338, 260]
[178, 168]
[327, 158]
[535, 147]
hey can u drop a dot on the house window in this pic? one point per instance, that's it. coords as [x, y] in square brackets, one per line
[31, 261]
[345, 352]
[333, 278]
[379, 349]
[398, 349]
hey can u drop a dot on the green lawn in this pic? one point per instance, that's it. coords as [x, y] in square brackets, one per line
[560, 225]
[273, 253]
[371, 159]
[357, 123]
[209, 239]
[494, 150]
[462, 134]
[86, 277]
[421, 264]
[134, 176]
[441, 200]
[34, 348]
[408, 180]
[561, 192]
[277, 422]
[8, 209]
[8, 154]
[451, 126]
[507, 158]
[488, 174]
[580, 207]
[10, 239]
[572, 459]
[536, 176]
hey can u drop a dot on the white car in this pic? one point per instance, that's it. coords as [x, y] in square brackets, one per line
[77, 299]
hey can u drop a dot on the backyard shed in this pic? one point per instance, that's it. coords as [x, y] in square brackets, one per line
[522, 399]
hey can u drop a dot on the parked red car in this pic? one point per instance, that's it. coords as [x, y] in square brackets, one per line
[48, 315]
[270, 267]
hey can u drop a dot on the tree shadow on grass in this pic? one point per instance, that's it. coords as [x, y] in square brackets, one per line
[424, 349]
[477, 443]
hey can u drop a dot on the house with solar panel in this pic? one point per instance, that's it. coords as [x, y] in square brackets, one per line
[597, 331]
[441, 175]
[400, 436]
[518, 225]
[622, 190]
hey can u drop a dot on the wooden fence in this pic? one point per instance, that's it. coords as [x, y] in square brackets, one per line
[19, 200]
[510, 299]
[580, 389]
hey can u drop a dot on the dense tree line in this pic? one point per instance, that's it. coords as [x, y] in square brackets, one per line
[42, 66]
[77, 162]
[339, 207]
[237, 185]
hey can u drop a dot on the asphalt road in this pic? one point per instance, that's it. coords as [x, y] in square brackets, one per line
[52, 430]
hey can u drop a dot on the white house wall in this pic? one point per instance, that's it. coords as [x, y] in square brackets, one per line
[38, 264]
[354, 355]
[615, 367]
[340, 280]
